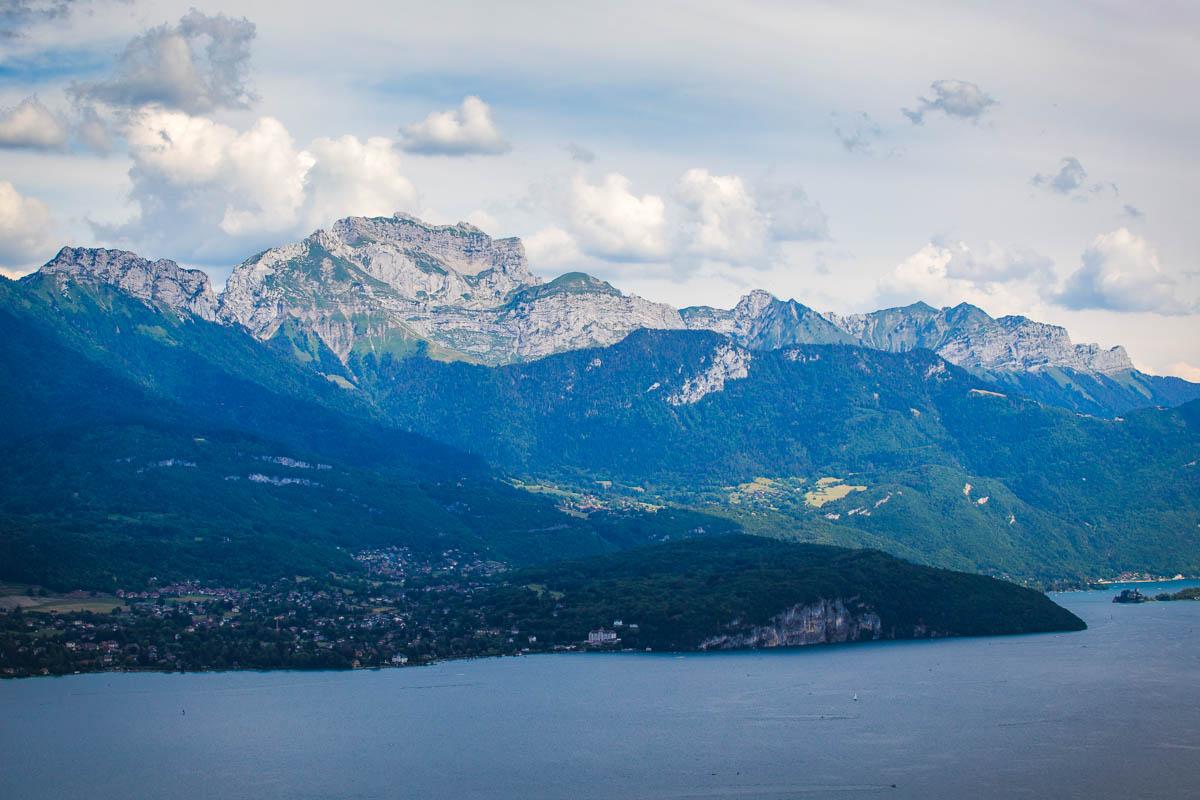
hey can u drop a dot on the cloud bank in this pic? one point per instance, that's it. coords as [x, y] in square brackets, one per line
[210, 191]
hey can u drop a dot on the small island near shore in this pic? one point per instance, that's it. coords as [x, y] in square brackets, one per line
[1133, 596]
[715, 593]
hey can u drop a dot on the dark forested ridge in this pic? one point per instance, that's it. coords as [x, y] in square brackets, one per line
[677, 596]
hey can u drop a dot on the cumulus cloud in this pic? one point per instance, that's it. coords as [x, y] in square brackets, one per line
[24, 230]
[949, 272]
[708, 219]
[723, 220]
[611, 222]
[858, 133]
[31, 125]
[551, 247]
[1121, 272]
[467, 130]
[349, 176]
[957, 99]
[210, 191]
[199, 65]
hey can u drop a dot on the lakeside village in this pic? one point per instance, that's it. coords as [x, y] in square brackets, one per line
[403, 610]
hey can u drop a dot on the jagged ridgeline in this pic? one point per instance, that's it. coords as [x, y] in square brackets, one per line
[430, 358]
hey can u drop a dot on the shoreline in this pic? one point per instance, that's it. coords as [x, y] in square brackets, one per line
[818, 646]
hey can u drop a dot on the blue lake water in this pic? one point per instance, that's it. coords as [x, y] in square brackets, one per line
[1112, 712]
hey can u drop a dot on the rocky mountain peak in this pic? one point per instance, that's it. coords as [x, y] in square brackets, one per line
[753, 304]
[963, 334]
[763, 322]
[381, 283]
[162, 283]
[460, 248]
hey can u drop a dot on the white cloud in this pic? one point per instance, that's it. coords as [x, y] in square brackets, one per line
[350, 176]
[550, 248]
[947, 273]
[208, 191]
[199, 65]
[264, 174]
[707, 221]
[993, 263]
[31, 125]
[1121, 272]
[958, 99]
[723, 220]
[613, 223]
[467, 130]
[24, 231]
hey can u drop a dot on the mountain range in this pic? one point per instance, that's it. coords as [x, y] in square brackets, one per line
[457, 399]
[380, 285]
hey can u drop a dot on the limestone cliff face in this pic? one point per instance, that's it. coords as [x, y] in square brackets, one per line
[381, 284]
[963, 334]
[727, 363]
[162, 283]
[822, 622]
[367, 282]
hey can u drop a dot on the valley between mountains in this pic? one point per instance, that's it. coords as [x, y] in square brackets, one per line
[391, 387]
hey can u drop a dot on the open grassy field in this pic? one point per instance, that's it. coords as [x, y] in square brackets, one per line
[828, 490]
[30, 598]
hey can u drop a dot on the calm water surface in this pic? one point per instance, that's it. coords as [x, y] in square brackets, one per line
[1112, 712]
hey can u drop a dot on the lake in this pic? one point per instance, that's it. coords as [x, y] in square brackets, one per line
[1111, 712]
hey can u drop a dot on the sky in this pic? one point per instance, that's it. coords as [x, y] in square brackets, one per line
[1030, 158]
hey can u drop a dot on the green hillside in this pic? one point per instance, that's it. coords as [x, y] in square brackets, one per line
[135, 443]
[955, 471]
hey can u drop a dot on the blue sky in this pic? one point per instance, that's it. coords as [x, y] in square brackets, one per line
[687, 152]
